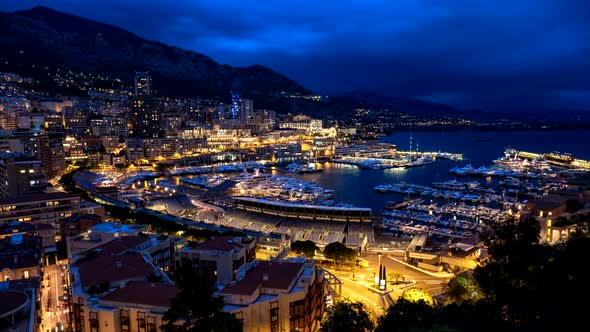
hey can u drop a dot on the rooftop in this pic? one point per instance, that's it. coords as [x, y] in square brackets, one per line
[12, 300]
[145, 293]
[113, 227]
[220, 243]
[549, 202]
[298, 205]
[121, 244]
[20, 260]
[266, 274]
[82, 217]
[17, 155]
[111, 269]
[37, 197]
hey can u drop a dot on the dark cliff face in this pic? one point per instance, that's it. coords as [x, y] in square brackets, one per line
[45, 37]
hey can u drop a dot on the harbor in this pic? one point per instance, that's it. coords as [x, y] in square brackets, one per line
[398, 159]
[445, 198]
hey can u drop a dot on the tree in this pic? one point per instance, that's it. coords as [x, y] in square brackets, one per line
[416, 294]
[340, 253]
[396, 278]
[305, 248]
[535, 286]
[347, 316]
[461, 288]
[573, 205]
[405, 315]
[196, 308]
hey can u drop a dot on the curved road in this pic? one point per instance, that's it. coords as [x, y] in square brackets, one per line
[356, 285]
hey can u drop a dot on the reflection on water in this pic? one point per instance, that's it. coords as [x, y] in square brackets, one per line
[355, 186]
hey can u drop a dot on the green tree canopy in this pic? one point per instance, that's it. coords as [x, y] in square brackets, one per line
[405, 315]
[416, 294]
[535, 286]
[462, 288]
[305, 248]
[196, 308]
[347, 316]
[340, 253]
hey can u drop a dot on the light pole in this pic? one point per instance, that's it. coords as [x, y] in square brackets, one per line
[380, 272]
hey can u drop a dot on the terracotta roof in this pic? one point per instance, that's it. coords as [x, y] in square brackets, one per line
[220, 243]
[36, 198]
[146, 293]
[111, 269]
[83, 217]
[121, 244]
[280, 275]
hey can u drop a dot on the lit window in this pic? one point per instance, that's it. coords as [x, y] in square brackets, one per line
[26, 274]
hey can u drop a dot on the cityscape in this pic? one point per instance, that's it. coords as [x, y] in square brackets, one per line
[148, 188]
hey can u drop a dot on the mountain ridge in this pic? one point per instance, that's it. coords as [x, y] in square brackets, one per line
[411, 105]
[77, 43]
[68, 41]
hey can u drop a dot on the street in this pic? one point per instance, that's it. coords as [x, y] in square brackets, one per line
[54, 308]
[357, 285]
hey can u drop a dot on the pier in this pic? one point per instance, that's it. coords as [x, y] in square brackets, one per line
[563, 160]
[438, 155]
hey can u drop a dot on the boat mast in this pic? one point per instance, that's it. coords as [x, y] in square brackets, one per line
[410, 141]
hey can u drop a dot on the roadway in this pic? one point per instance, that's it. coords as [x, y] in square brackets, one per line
[357, 285]
[431, 282]
[54, 318]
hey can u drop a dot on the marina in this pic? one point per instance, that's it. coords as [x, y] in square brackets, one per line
[443, 198]
[399, 159]
[221, 168]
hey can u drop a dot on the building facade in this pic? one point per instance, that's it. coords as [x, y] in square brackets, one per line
[275, 296]
[219, 257]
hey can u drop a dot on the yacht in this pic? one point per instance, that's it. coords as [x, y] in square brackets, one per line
[298, 168]
[466, 170]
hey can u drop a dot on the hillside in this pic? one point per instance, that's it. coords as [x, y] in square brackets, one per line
[44, 37]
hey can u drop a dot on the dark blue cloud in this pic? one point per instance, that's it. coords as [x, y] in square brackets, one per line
[498, 54]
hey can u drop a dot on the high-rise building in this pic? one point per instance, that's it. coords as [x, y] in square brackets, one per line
[235, 108]
[143, 84]
[49, 151]
[56, 165]
[146, 116]
[20, 174]
[247, 109]
[47, 208]
[75, 120]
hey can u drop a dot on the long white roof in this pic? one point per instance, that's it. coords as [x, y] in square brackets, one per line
[298, 205]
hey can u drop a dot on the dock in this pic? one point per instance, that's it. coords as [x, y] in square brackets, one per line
[558, 159]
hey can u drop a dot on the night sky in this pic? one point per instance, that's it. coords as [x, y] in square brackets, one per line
[496, 54]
